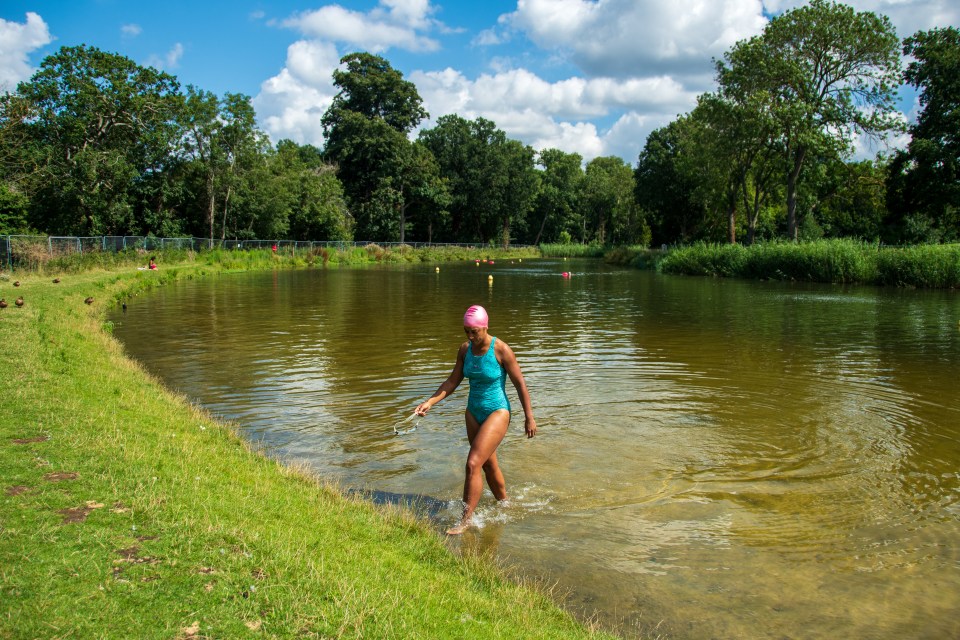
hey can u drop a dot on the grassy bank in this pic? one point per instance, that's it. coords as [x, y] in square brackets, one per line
[126, 512]
[833, 261]
[40, 261]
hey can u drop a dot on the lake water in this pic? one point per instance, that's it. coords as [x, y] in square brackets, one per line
[716, 458]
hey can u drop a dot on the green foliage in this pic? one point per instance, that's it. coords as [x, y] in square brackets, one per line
[832, 261]
[665, 188]
[491, 179]
[94, 123]
[556, 206]
[821, 73]
[932, 266]
[925, 178]
[366, 128]
[606, 199]
[371, 88]
[569, 250]
[13, 211]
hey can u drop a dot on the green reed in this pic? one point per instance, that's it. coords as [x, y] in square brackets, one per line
[830, 261]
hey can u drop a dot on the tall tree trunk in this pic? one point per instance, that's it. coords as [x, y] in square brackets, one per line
[226, 203]
[211, 205]
[543, 224]
[732, 222]
[792, 179]
[403, 221]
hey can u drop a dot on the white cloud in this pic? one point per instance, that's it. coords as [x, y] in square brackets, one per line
[17, 41]
[555, 114]
[625, 38]
[170, 61]
[131, 30]
[908, 16]
[394, 23]
[292, 103]
[487, 38]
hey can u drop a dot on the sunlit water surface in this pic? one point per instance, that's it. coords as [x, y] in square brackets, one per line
[716, 458]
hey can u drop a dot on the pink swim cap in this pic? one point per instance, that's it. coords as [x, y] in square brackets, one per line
[476, 316]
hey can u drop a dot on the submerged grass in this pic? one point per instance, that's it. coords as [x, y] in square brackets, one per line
[832, 261]
[125, 511]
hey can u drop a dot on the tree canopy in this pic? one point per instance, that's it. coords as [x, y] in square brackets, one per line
[824, 73]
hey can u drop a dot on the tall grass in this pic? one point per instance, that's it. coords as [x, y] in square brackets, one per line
[831, 261]
[248, 259]
[572, 250]
[126, 512]
[934, 266]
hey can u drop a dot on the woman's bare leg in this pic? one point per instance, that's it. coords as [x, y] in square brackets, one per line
[484, 440]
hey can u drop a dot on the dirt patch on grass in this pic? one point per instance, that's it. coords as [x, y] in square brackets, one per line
[132, 555]
[79, 514]
[61, 475]
[75, 514]
[16, 490]
[30, 440]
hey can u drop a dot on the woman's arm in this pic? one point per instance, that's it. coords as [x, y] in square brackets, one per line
[508, 360]
[448, 386]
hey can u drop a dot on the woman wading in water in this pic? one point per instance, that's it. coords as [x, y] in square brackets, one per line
[487, 362]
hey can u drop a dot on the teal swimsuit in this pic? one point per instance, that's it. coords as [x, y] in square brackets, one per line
[488, 381]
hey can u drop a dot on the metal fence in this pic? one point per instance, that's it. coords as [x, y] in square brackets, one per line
[27, 251]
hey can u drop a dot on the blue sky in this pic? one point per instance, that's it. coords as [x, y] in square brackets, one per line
[587, 76]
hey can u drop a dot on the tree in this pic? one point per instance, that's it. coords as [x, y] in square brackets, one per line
[492, 180]
[370, 87]
[366, 129]
[556, 203]
[849, 199]
[665, 188]
[737, 159]
[518, 189]
[925, 178]
[823, 73]
[312, 193]
[423, 194]
[94, 122]
[608, 204]
[221, 141]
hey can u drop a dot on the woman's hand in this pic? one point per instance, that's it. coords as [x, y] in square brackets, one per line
[530, 426]
[422, 408]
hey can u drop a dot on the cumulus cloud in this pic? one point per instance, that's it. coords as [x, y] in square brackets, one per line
[552, 114]
[625, 38]
[130, 30]
[393, 23]
[17, 41]
[292, 103]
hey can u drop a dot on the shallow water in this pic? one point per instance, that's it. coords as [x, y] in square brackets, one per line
[716, 458]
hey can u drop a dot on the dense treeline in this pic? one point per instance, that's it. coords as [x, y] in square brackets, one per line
[94, 144]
